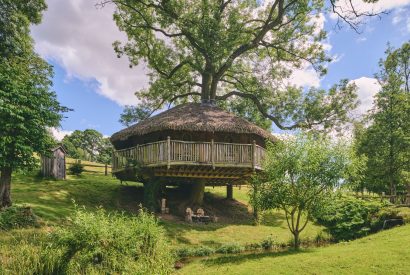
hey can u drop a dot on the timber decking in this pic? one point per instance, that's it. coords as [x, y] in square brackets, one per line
[176, 153]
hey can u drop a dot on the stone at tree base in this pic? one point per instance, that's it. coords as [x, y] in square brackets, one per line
[200, 212]
[188, 215]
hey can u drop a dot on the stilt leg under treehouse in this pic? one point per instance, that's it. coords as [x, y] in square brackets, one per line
[229, 191]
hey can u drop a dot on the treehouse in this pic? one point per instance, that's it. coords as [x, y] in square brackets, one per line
[195, 144]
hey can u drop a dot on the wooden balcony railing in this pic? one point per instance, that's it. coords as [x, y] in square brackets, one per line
[174, 152]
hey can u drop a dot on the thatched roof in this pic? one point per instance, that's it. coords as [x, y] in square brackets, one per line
[193, 117]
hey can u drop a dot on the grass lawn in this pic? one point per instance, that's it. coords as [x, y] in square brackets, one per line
[52, 201]
[90, 166]
[387, 252]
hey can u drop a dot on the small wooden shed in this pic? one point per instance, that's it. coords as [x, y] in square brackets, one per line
[54, 166]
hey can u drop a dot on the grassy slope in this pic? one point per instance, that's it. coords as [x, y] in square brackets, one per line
[100, 169]
[52, 201]
[387, 252]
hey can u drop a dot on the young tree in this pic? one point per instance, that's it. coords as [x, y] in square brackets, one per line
[27, 105]
[235, 52]
[386, 142]
[298, 174]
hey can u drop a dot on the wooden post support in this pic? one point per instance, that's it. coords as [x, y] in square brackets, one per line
[253, 155]
[106, 169]
[168, 152]
[229, 191]
[212, 154]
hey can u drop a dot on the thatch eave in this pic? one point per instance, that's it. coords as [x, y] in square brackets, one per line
[193, 117]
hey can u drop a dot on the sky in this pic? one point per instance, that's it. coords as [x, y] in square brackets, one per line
[76, 37]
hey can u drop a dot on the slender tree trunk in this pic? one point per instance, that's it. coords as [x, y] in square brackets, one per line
[296, 243]
[5, 184]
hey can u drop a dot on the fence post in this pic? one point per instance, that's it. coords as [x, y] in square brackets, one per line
[212, 154]
[253, 154]
[168, 152]
[106, 169]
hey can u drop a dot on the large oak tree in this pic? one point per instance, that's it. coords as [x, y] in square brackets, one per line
[237, 53]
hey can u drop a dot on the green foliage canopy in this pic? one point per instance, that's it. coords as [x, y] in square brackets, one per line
[298, 174]
[27, 105]
[386, 142]
[88, 145]
[237, 53]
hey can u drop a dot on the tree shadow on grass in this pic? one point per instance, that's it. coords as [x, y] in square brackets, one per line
[273, 218]
[237, 259]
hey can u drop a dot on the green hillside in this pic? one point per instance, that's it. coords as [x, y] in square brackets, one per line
[387, 252]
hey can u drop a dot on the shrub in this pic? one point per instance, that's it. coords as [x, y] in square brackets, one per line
[202, 251]
[231, 248]
[76, 169]
[322, 238]
[17, 217]
[348, 218]
[183, 252]
[105, 243]
[96, 243]
[269, 243]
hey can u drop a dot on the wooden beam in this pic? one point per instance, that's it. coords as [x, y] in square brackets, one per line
[168, 152]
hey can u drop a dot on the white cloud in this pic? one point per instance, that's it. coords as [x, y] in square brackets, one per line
[79, 37]
[401, 19]
[361, 39]
[344, 6]
[59, 134]
[306, 76]
[367, 88]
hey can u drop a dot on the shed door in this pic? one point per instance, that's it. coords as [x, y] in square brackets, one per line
[60, 170]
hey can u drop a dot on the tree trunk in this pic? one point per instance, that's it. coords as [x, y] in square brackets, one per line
[197, 193]
[152, 190]
[5, 183]
[296, 243]
[393, 192]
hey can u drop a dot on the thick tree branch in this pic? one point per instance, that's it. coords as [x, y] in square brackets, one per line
[261, 109]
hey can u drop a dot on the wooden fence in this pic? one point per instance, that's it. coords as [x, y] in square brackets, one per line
[178, 152]
[92, 166]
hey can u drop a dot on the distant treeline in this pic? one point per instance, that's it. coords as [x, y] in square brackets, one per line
[88, 145]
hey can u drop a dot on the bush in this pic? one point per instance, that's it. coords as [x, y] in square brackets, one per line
[76, 169]
[17, 217]
[97, 243]
[202, 251]
[231, 248]
[269, 243]
[348, 218]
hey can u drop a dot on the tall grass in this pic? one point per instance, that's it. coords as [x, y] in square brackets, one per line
[94, 242]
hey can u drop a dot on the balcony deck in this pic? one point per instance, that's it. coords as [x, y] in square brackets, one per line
[203, 159]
